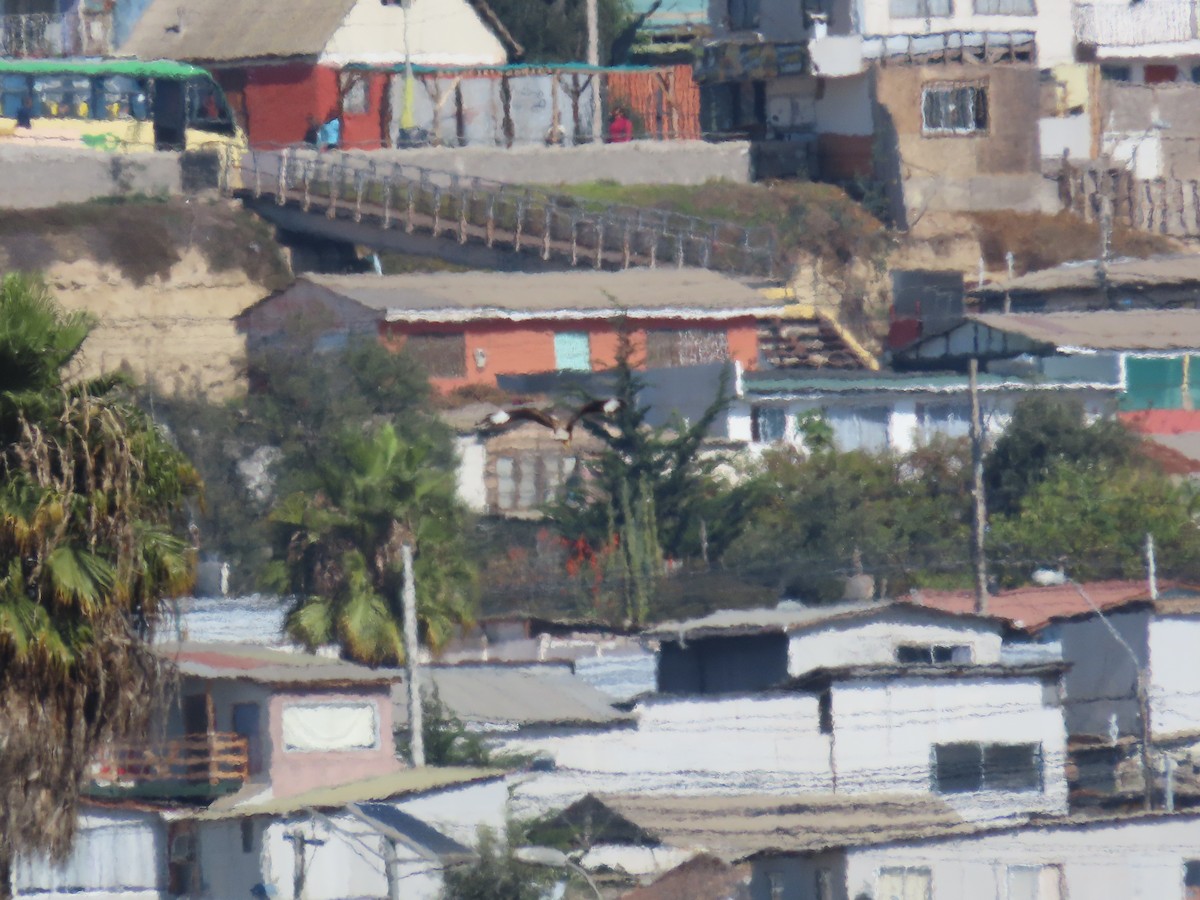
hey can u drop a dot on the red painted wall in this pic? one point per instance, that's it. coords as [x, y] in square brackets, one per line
[517, 348]
[279, 99]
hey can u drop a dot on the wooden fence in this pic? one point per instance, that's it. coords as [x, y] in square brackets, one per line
[1168, 206]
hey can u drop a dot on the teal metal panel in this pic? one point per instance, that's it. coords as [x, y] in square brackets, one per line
[572, 351]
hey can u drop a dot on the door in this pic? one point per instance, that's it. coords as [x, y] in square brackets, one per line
[170, 114]
[246, 719]
[905, 884]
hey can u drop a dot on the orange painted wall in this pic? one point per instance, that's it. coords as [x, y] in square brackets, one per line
[517, 348]
[278, 100]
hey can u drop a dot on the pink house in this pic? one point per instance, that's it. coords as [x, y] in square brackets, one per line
[248, 719]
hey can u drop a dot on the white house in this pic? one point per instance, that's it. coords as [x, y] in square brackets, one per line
[923, 703]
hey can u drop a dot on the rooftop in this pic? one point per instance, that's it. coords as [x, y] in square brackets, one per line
[578, 294]
[821, 678]
[1144, 329]
[248, 662]
[1033, 608]
[1157, 271]
[788, 617]
[828, 381]
[407, 782]
[529, 695]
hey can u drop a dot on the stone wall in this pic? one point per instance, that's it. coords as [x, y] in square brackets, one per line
[42, 176]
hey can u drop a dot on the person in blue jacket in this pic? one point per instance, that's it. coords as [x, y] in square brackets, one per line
[329, 135]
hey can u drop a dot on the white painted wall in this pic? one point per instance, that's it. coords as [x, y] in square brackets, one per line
[850, 644]
[845, 107]
[460, 812]
[1130, 861]
[1174, 675]
[885, 731]
[118, 855]
[472, 460]
[440, 32]
[226, 869]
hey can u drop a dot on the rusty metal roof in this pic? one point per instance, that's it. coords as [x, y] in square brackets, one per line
[250, 662]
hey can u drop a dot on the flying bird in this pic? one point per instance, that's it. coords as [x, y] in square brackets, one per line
[504, 417]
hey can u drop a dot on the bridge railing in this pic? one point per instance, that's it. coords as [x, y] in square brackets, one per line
[396, 194]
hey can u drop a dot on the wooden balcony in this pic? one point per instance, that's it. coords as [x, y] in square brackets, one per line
[198, 767]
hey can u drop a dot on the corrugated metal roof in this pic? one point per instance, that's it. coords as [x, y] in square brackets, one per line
[1147, 329]
[463, 296]
[738, 827]
[773, 381]
[383, 787]
[221, 30]
[1033, 608]
[260, 664]
[1157, 271]
[784, 619]
[518, 696]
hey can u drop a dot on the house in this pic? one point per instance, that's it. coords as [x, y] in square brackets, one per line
[1104, 857]
[271, 768]
[471, 328]
[282, 62]
[1147, 353]
[937, 100]
[848, 699]
[894, 411]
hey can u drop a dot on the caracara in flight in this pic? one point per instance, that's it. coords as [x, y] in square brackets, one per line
[504, 417]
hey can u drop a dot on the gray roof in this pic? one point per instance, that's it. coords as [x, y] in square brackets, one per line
[248, 662]
[1153, 329]
[223, 30]
[738, 827]
[520, 696]
[787, 618]
[1034, 668]
[1157, 271]
[578, 294]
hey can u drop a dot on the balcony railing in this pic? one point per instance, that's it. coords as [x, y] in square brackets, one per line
[1134, 24]
[199, 766]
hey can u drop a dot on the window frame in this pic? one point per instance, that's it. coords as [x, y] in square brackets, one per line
[423, 353]
[986, 780]
[1033, 10]
[980, 119]
[924, 12]
[367, 705]
[937, 655]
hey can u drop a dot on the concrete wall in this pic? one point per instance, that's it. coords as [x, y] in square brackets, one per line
[438, 32]
[43, 176]
[876, 643]
[637, 162]
[1132, 116]
[1174, 675]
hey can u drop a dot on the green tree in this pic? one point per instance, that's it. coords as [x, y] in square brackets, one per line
[1093, 520]
[338, 547]
[89, 507]
[1044, 432]
[649, 494]
[556, 30]
[497, 874]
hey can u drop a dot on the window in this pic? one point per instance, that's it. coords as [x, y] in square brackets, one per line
[506, 487]
[825, 712]
[1116, 73]
[440, 355]
[933, 653]
[920, 9]
[768, 424]
[207, 109]
[572, 352]
[356, 97]
[967, 768]
[685, 346]
[62, 96]
[1191, 880]
[247, 835]
[743, 15]
[1005, 8]
[949, 108]
[122, 97]
[326, 727]
[1034, 883]
[525, 481]
[905, 884]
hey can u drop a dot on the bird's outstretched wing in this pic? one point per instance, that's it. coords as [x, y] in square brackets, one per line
[503, 417]
[594, 408]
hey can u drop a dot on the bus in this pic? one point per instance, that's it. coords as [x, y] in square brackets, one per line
[115, 104]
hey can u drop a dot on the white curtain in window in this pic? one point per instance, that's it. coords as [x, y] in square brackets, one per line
[330, 726]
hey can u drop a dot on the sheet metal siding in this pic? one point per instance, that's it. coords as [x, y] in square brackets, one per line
[115, 854]
[1174, 675]
[722, 665]
[1102, 680]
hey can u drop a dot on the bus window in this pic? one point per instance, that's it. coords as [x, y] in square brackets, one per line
[122, 97]
[207, 109]
[62, 96]
[13, 90]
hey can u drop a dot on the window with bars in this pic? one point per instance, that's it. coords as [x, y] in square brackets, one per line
[525, 481]
[440, 355]
[685, 346]
[952, 108]
[971, 767]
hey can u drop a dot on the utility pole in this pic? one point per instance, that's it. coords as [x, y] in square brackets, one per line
[1105, 248]
[416, 725]
[1151, 568]
[593, 59]
[979, 520]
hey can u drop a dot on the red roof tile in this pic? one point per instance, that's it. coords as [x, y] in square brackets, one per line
[1032, 608]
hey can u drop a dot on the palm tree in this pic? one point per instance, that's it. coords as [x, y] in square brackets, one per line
[89, 493]
[340, 549]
